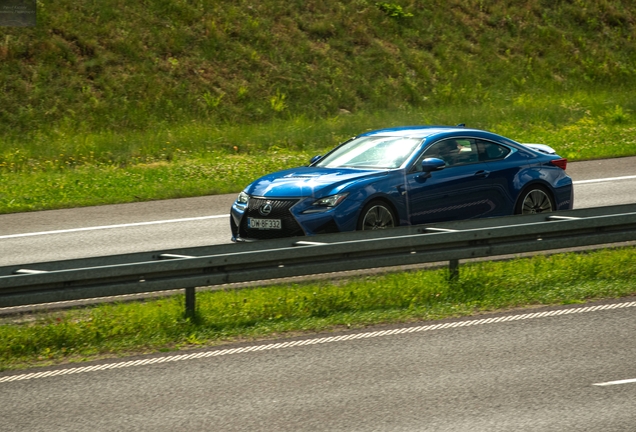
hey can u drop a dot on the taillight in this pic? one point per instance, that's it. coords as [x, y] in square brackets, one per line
[561, 163]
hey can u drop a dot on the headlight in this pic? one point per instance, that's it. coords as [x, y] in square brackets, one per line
[243, 198]
[330, 201]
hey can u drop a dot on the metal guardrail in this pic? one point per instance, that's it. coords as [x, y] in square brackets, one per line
[221, 264]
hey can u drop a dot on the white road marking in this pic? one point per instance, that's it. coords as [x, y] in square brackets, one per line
[609, 383]
[601, 180]
[72, 230]
[113, 226]
[314, 341]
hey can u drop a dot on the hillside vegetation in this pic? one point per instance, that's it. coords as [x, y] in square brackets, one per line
[111, 64]
[114, 101]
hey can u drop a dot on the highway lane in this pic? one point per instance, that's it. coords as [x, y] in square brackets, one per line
[117, 229]
[519, 371]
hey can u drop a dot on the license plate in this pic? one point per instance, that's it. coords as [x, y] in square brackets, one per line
[263, 224]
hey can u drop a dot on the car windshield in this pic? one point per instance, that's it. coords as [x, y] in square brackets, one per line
[371, 152]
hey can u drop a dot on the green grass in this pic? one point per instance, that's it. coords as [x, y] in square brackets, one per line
[113, 64]
[159, 325]
[199, 159]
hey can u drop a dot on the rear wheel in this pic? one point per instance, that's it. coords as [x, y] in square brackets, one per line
[535, 200]
[377, 215]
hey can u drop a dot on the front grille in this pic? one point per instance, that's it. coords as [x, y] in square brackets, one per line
[280, 210]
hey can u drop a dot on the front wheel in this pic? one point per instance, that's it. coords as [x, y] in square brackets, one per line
[535, 200]
[376, 215]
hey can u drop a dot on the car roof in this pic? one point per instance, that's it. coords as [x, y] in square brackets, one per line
[418, 131]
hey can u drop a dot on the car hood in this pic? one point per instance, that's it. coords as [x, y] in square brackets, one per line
[308, 181]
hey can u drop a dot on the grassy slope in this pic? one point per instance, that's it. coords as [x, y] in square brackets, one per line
[113, 101]
[113, 64]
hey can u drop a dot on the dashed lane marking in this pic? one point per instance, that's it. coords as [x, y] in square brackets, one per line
[610, 383]
[314, 341]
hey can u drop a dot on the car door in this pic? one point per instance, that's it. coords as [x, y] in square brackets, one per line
[462, 190]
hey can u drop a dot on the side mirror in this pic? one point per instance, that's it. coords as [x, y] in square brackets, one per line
[432, 164]
[315, 159]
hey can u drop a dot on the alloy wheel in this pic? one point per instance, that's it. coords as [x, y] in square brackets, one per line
[378, 217]
[536, 201]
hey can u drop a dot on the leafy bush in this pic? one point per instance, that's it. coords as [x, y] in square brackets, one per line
[393, 10]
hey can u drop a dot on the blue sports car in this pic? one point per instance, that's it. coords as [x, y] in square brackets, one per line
[404, 176]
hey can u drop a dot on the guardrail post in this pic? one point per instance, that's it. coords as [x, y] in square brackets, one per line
[453, 270]
[190, 302]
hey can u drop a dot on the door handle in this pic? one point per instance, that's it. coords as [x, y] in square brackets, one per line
[482, 173]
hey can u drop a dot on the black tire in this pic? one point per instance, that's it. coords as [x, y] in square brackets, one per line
[535, 199]
[377, 215]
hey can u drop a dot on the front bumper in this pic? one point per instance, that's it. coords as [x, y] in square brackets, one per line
[295, 220]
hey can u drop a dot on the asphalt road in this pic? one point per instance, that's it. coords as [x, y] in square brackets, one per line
[573, 371]
[118, 229]
[519, 371]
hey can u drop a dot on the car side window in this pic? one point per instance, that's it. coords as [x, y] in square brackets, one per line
[456, 151]
[490, 151]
